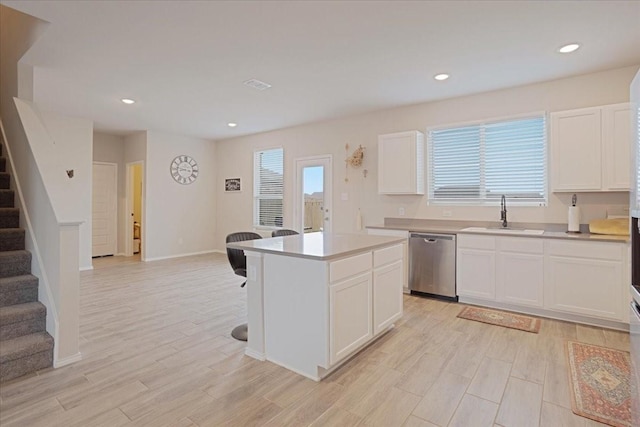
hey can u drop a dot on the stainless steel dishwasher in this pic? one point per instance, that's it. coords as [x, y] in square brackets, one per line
[432, 265]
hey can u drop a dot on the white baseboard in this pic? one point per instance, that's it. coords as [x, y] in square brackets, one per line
[180, 255]
[551, 314]
[256, 355]
[58, 363]
[86, 268]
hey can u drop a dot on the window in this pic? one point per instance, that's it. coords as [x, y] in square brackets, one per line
[268, 188]
[478, 163]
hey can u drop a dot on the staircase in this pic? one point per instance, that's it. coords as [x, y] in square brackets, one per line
[25, 346]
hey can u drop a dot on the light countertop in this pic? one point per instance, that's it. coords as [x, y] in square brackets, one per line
[553, 231]
[318, 246]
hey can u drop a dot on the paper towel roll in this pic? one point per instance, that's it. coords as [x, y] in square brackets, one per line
[574, 218]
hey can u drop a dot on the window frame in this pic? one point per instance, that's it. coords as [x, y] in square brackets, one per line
[487, 201]
[256, 184]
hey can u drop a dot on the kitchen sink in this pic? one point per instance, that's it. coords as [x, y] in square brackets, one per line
[503, 230]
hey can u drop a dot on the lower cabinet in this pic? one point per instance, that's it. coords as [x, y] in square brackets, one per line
[520, 271]
[476, 267]
[587, 279]
[387, 295]
[576, 277]
[366, 300]
[350, 311]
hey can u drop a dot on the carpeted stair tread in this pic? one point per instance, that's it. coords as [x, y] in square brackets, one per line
[9, 217]
[18, 289]
[15, 263]
[22, 319]
[5, 179]
[19, 312]
[14, 283]
[11, 239]
[24, 346]
[6, 198]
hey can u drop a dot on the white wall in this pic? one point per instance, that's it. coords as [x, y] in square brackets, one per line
[178, 219]
[235, 209]
[60, 144]
[110, 149]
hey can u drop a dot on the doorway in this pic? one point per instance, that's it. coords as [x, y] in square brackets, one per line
[312, 211]
[104, 209]
[134, 233]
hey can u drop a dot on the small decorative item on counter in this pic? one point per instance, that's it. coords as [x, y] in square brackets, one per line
[611, 226]
[574, 216]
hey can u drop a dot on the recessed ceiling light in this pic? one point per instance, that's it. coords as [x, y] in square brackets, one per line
[441, 77]
[232, 125]
[569, 48]
[128, 101]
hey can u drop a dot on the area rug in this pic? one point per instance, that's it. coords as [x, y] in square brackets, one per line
[501, 318]
[600, 383]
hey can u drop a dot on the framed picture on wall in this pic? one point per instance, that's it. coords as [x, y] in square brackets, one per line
[232, 184]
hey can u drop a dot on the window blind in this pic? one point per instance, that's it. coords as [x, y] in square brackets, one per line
[268, 187]
[478, 163]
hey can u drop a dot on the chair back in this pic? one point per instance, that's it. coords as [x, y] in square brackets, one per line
[283, 232]
[236, 257]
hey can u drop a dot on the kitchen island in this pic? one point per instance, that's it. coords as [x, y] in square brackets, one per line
[315, 299]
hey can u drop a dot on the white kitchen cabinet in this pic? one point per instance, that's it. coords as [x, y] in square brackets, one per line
[365, 298]
[350, 314]
[576, 280]
[520, 271]
[590, 149]
[388, 276]
[476, 267]
[616, 131]
[405, 250]
[576, 159]
[586, 278]
[401, 163]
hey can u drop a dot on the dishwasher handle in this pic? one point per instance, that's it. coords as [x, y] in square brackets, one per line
[432, 238]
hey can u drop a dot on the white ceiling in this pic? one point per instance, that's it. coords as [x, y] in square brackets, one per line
[185, 61]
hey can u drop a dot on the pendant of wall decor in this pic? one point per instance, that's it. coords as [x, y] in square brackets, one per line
[354, 160]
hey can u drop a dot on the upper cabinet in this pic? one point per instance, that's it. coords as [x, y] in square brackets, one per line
[590, 149]
[401, 163]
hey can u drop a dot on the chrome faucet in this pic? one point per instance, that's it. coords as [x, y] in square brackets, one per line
[503, 211]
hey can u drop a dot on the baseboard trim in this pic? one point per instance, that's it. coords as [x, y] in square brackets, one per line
[557, 315]
[58, 363]
[86, 268]
[255, 354]
[180, 255]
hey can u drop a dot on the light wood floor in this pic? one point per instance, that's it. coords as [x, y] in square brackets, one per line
[157, 351]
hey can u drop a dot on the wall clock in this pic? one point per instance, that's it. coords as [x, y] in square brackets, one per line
[184, 169]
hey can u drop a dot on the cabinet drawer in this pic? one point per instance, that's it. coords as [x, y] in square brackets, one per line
[387, 255]
[476, 242]
[347, 267]
[595, 250]
[528, 246]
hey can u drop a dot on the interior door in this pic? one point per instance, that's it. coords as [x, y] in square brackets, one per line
[104, 209]
[313, 194]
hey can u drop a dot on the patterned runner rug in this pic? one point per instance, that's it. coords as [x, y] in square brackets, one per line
[600, 383]
[501, 318]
